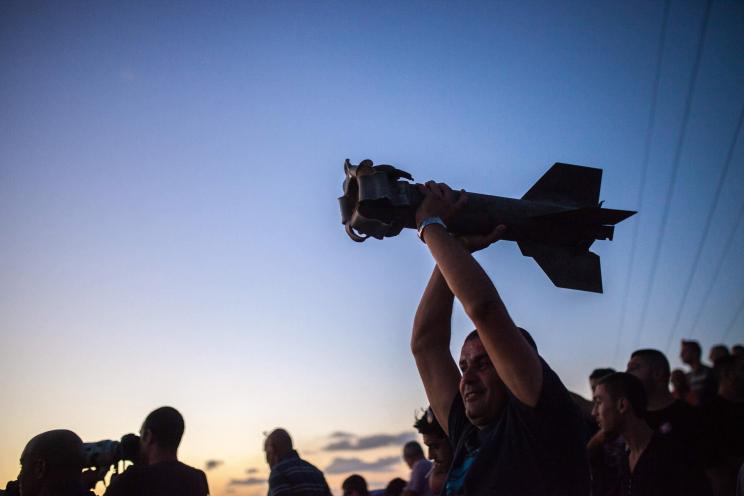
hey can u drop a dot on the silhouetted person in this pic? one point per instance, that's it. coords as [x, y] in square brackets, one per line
[355, 485]
[395, 487]
[413, 455]
[290, 474]
[680, 387]
[597, 374]
[717, 352]
[440, 449]
[665, 413]
[51, 464]
[737, 350]
[700, 377]
[656, 464]
[513, 424]
[605, 454]
[160, 473]
[724, 425]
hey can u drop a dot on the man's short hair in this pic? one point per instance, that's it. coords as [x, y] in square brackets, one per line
[727, 364]
[355, 482]
[166, 425]
[61, 449]
[625, 385]
[656, 358]
[599, 373]
[474, 334]
[413, 449]
[694, 346]
[427, 424]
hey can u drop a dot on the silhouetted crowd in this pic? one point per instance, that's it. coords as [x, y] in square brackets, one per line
[500, 420]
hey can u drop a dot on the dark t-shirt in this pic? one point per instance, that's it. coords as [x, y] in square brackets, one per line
[528, 451]
[665, 468]
[161, 479]
[723, 424]
[681, 421]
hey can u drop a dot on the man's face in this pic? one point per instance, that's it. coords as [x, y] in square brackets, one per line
[146, 444]
[605, 411]
[643, 371]
[481, 388]
[270, 452]
[439, 449]
[31, 474]
[686, 354]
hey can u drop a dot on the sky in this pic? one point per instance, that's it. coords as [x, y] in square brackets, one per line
[171, 235]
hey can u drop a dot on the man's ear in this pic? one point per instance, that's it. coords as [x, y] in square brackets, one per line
[622, 405]
[39, 469]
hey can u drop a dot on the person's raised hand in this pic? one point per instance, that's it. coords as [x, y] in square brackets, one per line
[476, 242]
[439, 201]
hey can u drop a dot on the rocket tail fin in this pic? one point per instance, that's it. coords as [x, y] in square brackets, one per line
[568, 184]
[566, 266]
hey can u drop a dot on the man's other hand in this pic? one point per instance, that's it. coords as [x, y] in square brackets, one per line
[476, 242]
[439, 201]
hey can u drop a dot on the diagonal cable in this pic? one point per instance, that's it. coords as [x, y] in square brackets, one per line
[675, 170]
[717, 272]
[733, 321]
[706, 228]
[644, 173]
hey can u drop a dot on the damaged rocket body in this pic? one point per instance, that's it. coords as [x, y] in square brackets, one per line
[555, 222]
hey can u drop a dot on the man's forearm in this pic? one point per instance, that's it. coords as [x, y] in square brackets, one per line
[463, 274]
[432, 324]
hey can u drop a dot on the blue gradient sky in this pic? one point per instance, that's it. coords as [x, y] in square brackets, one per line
[170, 231]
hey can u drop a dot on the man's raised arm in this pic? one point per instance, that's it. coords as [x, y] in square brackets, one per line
[516, 362]
[430, 343]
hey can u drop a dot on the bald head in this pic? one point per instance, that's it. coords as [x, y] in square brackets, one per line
[51, 459]
[277, 445]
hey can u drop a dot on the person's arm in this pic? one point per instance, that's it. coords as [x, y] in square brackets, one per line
[430, 342]
[517, 364]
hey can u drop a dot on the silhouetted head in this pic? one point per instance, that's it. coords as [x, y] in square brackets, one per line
[597, 374]
[395, 487]
[651, 367]
[717, 352]
[437, 442]
[355, 485]
[737, 350]
[161, 433]
[277, 445]
[618, 398]
[483, 392]
[412, 452]
[51, 463]
[730, 372]
[680, 386]
[690, 352]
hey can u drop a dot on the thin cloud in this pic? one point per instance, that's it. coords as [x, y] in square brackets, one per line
[348, 465]
[250, 481]
[337, 434]
[370, 442]
[211, 464]
[251, 470]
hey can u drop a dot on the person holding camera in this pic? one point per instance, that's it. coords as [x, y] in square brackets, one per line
[51, 464]
[160, 473]
[511, 421]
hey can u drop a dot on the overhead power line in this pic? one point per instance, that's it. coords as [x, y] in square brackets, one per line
[706, 228]
[717, 272]
[644, 173]
[675, 169]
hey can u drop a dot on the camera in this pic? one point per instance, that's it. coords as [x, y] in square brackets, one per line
[103, 454]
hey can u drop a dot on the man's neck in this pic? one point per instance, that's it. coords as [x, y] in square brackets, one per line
[162, 456]
[696, 366]
[659, 400]
[637, 435]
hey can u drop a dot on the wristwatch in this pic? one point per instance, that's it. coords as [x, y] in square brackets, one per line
[427, 222]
